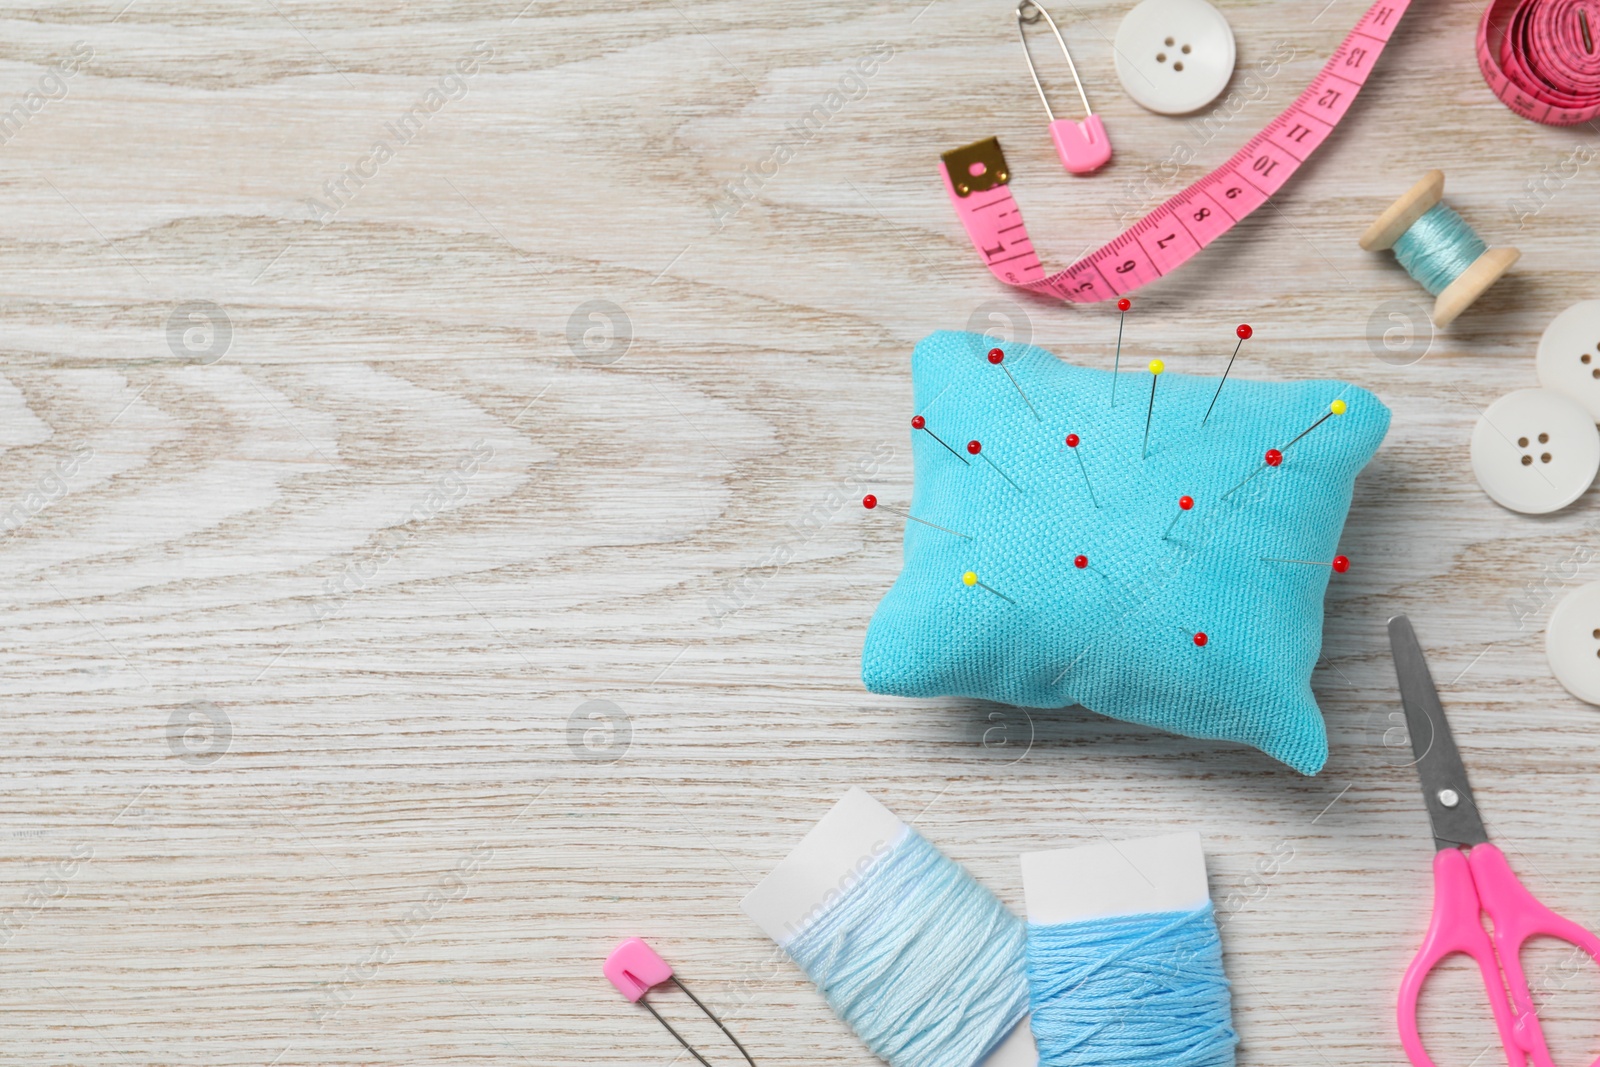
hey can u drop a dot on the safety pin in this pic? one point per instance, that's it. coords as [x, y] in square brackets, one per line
[1082, 146]
[635, 968]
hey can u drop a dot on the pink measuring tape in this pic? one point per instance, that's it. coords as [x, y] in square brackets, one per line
[1542, 58]
[976, 178]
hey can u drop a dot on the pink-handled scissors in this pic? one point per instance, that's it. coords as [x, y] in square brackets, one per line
[1471, 880]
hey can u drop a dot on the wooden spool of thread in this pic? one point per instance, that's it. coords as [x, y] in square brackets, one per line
[1440, 252]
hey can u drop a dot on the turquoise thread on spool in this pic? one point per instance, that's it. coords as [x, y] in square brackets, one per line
[923, 963]
[1438, 248]
[1131, 989]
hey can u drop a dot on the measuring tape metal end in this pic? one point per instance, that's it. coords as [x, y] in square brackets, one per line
[976, 167]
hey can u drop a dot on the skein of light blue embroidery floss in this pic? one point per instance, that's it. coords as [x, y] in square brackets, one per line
[1438, 248]
[922, 962]
[1131, 991]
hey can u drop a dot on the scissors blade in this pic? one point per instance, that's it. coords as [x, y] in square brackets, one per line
[1445, 789]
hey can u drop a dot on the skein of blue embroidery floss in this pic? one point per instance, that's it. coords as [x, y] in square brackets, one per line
[922, 962]
[1437, 248]
[1131, 990]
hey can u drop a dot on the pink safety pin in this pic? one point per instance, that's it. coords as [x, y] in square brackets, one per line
[1082, 146]
[635, 968]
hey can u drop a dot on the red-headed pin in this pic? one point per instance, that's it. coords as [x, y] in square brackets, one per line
[1156, 367]
[1184, 504]
[870, 502]
[1274, 456]
[1200, 639]
[920, 423]
[1243, 333]
[976, 448]
[1122, 306]
[1340, 564]
[1272, 459]
[1072, 443]
[998, 358]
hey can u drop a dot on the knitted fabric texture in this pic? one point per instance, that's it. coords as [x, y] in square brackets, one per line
[1118, 636]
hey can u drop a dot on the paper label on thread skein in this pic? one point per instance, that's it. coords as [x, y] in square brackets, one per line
[1148, 875]
[828, 862]
[832, 858]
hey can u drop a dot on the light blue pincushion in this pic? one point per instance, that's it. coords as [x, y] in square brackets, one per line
[1118, 637]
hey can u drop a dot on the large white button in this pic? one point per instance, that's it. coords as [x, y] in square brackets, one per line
[1572, 641]
[1174, 56]
[1569, 355]
[1535, 450]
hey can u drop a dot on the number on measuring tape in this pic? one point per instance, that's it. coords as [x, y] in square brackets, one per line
[1178, 229]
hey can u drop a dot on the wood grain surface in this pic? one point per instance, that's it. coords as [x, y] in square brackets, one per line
[342, 483]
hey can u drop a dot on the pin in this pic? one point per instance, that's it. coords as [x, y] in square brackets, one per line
[1082, 146]
[971, 578]
[1272, 459]
[1184, 504]
[1080, 562]
[869, 502]
[1340, 564]
[1274, 456]
[1122, 306]
[997, 357]
[1072, 443]
[1583, 23]
[1200, 639]
[1243, 333]
[1338, 407]
[1156, 367]
[976, 448]
[635, 968]
[920, 423]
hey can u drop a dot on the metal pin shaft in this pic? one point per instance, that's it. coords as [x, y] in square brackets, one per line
[1020, 393]
[996, 592]
[1000, 472]
[925, 522]
[1224, 381]
[1145, 451]
[1086, 483]
[1073, 67]
[952, 451]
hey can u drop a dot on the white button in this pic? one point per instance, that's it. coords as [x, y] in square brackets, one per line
[1174, 56]
[1572, 641]
[1569, 355]
[1535, 450]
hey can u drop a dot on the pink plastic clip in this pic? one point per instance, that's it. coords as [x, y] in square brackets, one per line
[1082, 146]
[634, 967]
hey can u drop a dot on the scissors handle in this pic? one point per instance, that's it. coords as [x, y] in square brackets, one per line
[1465, 887]
[1456, 927]
[1517, 915]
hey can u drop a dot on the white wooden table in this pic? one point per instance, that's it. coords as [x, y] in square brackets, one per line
[328, 522]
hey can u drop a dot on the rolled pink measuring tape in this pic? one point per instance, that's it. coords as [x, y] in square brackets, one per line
[1542, 58]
